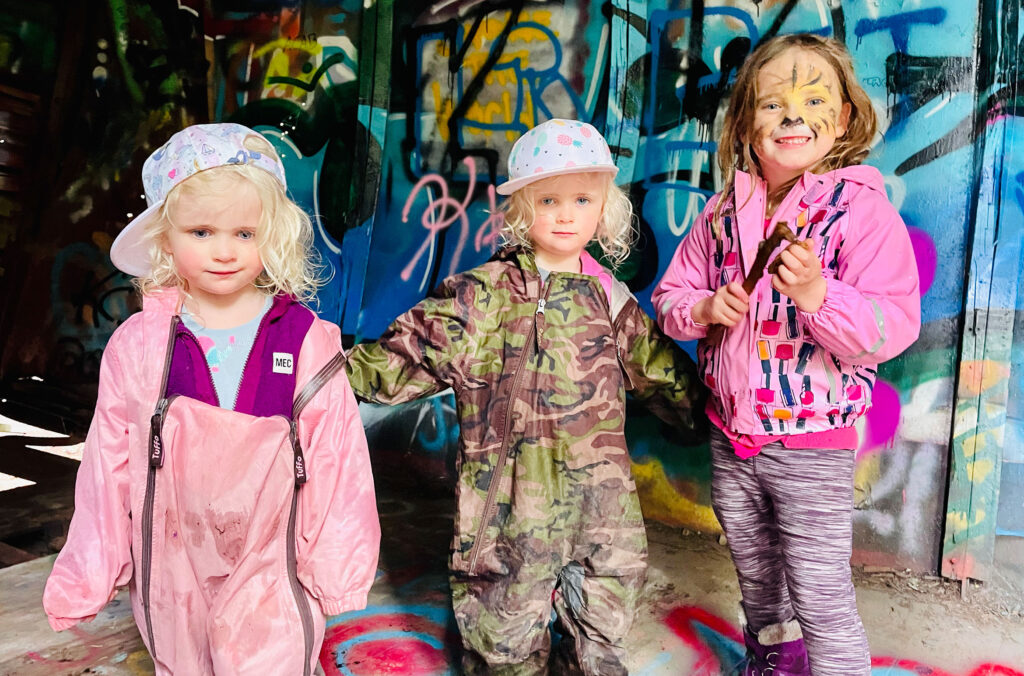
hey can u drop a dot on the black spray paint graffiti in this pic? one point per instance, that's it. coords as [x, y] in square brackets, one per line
[914, 81]
[411, 86]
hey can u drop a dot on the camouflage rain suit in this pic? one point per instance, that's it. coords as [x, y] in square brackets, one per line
[547, 508]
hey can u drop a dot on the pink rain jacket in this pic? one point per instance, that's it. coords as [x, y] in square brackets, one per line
[241, 567]
[781, 371]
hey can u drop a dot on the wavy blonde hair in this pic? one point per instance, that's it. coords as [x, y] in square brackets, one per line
[735, 152]
[284, 236]
[615, 231]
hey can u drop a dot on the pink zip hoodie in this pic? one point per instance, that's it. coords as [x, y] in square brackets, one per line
[781, 371]
[231, 570]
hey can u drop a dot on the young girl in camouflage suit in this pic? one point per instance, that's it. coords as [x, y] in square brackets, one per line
[540, 345]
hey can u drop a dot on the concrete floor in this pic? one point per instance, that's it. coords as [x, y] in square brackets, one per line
[687, 624]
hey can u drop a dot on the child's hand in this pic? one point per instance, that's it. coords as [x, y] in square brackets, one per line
[799, 277]
[727, 306]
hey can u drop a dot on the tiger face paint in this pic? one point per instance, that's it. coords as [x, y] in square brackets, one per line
[799, 114]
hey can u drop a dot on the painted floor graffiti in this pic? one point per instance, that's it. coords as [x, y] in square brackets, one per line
[687, 624]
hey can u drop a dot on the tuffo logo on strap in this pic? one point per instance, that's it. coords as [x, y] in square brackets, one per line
[156, 456]
[156, 442]
[283, 362]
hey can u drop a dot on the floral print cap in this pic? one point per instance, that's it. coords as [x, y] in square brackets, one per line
[191, 150]
[556, 147]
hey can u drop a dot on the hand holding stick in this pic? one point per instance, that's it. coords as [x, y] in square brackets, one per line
[780, 234]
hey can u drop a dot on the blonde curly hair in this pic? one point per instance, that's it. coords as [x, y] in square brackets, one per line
[616, 231]
[284, 236]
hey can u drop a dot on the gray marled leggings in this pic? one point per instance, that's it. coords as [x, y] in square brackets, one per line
[787, 516]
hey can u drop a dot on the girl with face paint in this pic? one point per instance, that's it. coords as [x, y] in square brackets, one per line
[797, 363]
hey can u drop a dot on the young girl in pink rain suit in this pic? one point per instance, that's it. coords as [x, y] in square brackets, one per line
[232, 494]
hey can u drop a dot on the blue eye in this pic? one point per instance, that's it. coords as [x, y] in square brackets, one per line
[200, 233]
[547, 201]
[247, 234]
[816, 102]
[583, 201]
[771, 106]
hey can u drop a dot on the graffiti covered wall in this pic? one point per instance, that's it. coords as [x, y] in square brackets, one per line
[394, 121]
[655, 77]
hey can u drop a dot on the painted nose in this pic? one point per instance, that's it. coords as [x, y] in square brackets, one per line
[792, 121]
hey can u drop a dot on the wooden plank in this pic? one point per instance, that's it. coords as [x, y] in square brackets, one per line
[18, 107]
[28, 97]
[42, 511]
[994, 275]
[110, 644]
[18, 459]
[9, 159]
[11, 183]
[37, 510]
[10, 556]
[12, 122]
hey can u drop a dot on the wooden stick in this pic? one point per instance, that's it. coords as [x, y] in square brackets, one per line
[780, 234]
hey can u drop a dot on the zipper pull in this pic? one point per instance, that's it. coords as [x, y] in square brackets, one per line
[538, 323]
[626, 378]
[300, 462]
[156, 442]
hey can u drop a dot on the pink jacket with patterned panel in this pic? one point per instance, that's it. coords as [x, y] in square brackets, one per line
[781, 371]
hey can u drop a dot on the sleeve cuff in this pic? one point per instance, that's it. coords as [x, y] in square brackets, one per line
[345, 604]
[685, 327]
[828, 303]
[62, 623]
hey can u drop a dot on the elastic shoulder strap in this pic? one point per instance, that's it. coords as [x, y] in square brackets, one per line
[322, 377]
[304, 397]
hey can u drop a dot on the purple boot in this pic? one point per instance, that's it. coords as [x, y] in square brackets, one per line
[776, 650]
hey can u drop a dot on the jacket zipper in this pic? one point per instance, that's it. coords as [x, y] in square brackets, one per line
[156, 460]
[728, 399]
[238, 387]
[209, 374]
[499, 466]
[752, 336]
[616, 330]
[306, 395]
[305, 615]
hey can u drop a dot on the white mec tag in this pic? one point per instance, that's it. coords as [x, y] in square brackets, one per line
[283, 362]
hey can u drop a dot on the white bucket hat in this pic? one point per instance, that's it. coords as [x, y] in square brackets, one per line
[556, 147]
[191, 150]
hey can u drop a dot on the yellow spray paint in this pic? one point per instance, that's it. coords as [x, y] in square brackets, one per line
[662, 502]
[977, 471]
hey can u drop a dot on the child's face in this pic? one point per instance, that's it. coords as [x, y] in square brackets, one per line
[567, 210]
[799, 114]
[213, 243]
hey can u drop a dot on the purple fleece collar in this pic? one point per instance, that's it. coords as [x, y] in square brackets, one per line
[267, 386]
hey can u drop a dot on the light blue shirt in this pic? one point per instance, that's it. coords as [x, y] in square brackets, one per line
[227, 351]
